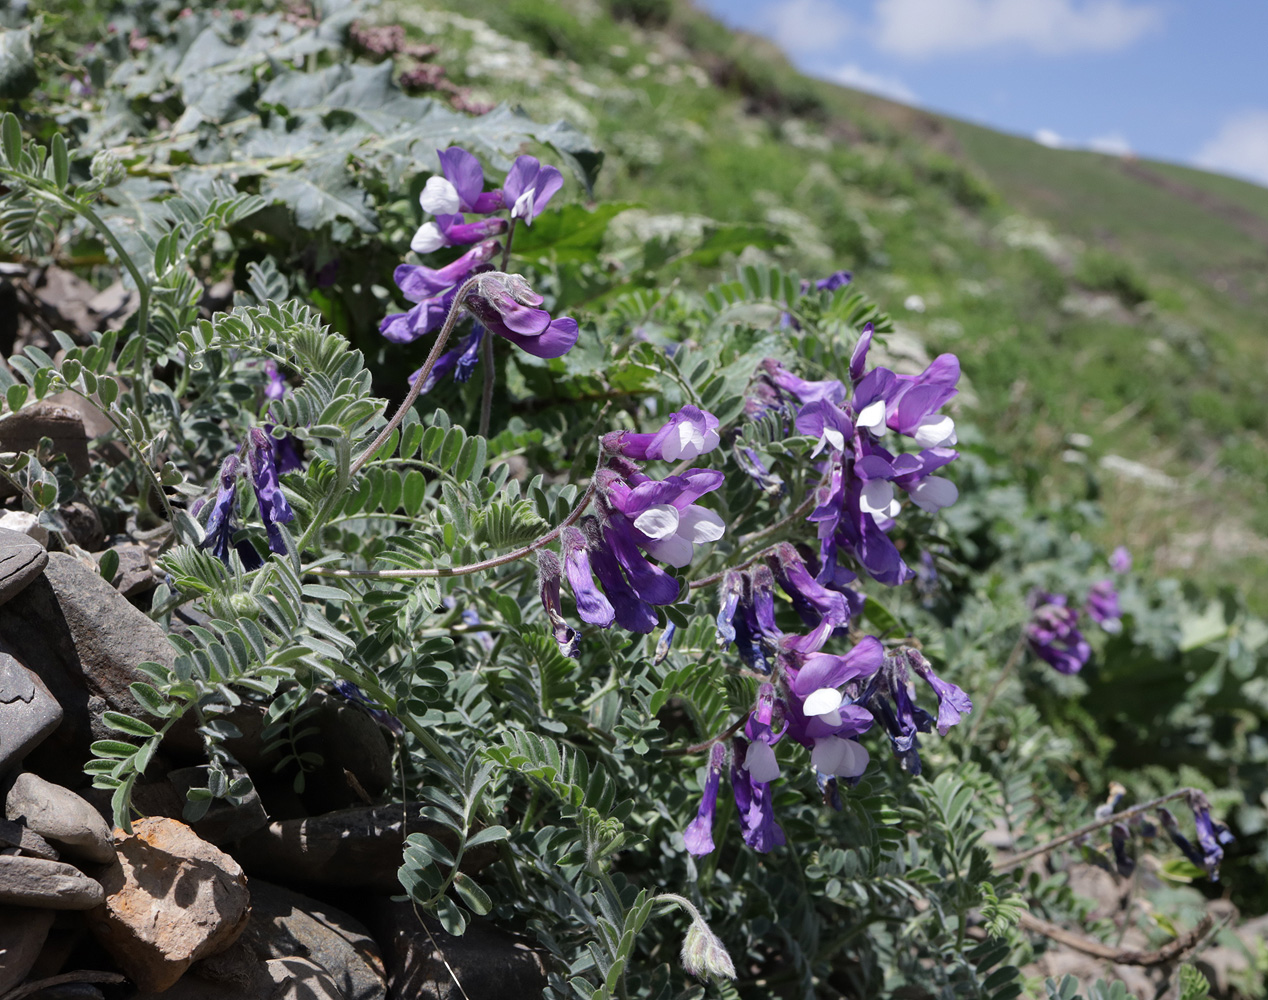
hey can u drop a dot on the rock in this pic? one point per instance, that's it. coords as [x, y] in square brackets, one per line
[84, 640]
[224, 822]
[135, 574]
[21, 522]
[286, 924]
[83, 525]
[23, 430]
[299, 979]
[489, 963]
[49, 885]
[59, 815]
[350, 742]
[237, 969]
[22, 935]
[27, 842]
[352, 847]
[28, 712]
[171, 899]
[22, 559]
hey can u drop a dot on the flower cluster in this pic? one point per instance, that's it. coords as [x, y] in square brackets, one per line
[1053, 632]
[503, 304]
[637, 517]
[1212, 835]
[273, 506]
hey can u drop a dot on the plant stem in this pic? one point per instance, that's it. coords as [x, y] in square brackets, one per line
[445, 571]
[414, 390]
[1009, 664]
[1083, 831]
[486, 347]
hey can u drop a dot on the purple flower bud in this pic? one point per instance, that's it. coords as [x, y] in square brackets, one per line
[663, 646]
[220, 522]
[274, 510]
[699, 834]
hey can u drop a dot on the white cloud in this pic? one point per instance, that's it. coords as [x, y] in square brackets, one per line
[802, 26]
[853, 75]
[1111, 144]
[1240, 147]
[1052, 27]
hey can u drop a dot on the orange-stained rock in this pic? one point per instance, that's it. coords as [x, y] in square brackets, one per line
[171, 899]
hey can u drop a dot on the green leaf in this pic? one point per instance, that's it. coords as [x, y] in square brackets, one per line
[108, 564]
[15, 396]
[61, 162]
[107, 389]
[451, 916]
[126, 724]
[489, 835]
[572, 232]
[476, 898]
[113, 748]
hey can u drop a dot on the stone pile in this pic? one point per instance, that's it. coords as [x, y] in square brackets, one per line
[252, 901]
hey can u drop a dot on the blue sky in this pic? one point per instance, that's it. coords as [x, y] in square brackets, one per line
[1178, 80]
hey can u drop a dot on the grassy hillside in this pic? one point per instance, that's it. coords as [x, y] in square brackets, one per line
[1109, 313]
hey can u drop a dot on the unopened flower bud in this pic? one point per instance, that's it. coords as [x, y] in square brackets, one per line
[704, 954]
[107, 169]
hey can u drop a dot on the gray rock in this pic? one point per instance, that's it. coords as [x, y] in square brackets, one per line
[135, 574]
[83, 525]
[352, 744]
[59, 815]
[22, 935]
[22, 431]
[358, 848]
[84, 640]
[26, 841]
[48, 885]
[299, 979]
[286, 924]
[28, 712]
[22, 559]
[489, 963]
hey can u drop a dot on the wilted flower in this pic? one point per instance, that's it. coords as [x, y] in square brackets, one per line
[1119, 835]
[548, 576]
[219, 533]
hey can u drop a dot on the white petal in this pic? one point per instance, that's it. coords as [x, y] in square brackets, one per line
[428, 238]
[877, 499]
[854, 760]
[827, 754]
[523, 207]
[834, 437]
[760, 760]
[935, 431]
[673, 551]
[660, 521]
[709, 442]
[873, 417]
[822, 701]
[933, 493]
[439, 197]
[699, 524]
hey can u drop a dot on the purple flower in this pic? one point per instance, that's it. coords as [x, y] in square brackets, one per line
[1120, 560]
[749, 460]
[452, 231]
[755, 802]
[1212, 835]
[434, 291]
[592, 605]
[699, 834]
[274, 510]
[668, 523]
[788, 384]
[814, 602]
[1102, 606]
[548, 577]
[835, 280]
[953, 703]
[286, 454]
[507, 306]
[633, 613]
[688, 434]
[275, 387]
[460, 361]
[529, 186]
[219, 533]
[461, 188]
[1053, 635]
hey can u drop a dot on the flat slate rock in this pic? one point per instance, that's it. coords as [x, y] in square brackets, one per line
[23, 932]
[59, 815]
[84, 640]
[22, 559]
[48, 885]
[286, 924]
[28, 712]
[26, 841]
[22, 431]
